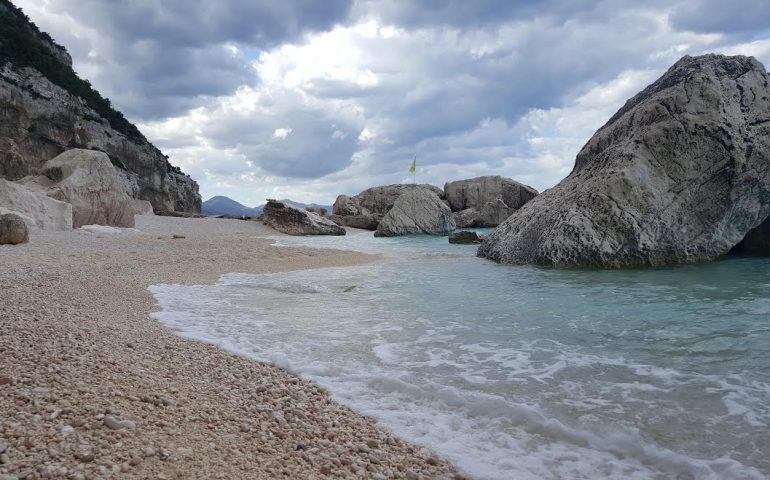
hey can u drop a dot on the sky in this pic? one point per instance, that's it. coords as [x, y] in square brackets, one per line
[308, 99]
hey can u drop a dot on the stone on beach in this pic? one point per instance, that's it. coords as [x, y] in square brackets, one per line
[37, 209]
[88, 181]
[678, 175]
[295, 221]
[13, 230]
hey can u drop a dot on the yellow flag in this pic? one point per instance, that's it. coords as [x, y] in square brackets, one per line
[414, 165]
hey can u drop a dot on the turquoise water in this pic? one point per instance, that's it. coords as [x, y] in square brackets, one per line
[518, 372]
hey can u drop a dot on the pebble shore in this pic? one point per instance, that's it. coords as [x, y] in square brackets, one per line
[92, 388]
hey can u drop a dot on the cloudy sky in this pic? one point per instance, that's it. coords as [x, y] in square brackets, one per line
[308, 99]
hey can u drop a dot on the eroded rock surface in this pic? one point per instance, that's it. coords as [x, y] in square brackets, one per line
[37, 209]
[486, 201]
[86, 179]
[368, 208]
[680, 174]
[418, 210]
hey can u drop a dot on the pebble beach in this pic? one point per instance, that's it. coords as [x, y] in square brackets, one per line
[91, 387]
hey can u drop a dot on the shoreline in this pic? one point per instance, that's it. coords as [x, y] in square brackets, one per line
[100, 389]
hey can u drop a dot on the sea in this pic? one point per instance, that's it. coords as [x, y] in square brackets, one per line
[517, 372]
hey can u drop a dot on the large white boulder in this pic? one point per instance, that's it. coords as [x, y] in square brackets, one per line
[87, 180]
[37, 210]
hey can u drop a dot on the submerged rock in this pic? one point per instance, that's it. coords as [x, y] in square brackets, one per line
[418, 210]
[295, 221]
[679, 174]
[13, 230]
[466, 237]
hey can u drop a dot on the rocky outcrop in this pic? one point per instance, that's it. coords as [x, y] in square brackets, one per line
[679, 174]
[46, 109]
[37, 209]
[367, 209]
[465, 237]
[13, 230]
[295, 221]
[486, 201]
[418, 210]
[87, 180]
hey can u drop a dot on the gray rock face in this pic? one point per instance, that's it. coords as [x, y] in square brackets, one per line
[466, 237]
[418, 210]
[13, 230]
[40, 120]
[486, 201]
[295, 221]
[317, 210]
[477, 192]
[87, 180]
[368, 208]
[37, 209]
[680, 174]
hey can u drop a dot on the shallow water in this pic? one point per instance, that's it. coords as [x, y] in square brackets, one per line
[518, 372]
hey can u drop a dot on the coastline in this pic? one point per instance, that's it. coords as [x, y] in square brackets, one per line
[102, 390]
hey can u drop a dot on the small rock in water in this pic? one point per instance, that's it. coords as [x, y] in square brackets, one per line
[115, 424]
[466, 237]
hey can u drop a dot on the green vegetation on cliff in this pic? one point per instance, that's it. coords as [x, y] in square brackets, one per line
[24, 45]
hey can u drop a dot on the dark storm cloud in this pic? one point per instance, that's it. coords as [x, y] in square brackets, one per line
[154, 58]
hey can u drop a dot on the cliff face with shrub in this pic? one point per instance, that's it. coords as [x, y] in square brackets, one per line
[45, 109]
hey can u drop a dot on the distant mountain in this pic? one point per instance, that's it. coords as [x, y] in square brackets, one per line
[220, 205]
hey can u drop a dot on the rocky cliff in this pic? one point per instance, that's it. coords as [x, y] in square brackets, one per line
[45, 109]
[680, 174]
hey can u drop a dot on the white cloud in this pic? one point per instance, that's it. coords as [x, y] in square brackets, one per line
[281, 133]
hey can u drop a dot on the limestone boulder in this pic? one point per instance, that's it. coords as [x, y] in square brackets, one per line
[37, 209]
[418, 210]
[13, 230]
[368, 208]
[88, 181]
[295, 221]
[141, 207]
[481, 191]
[317, 210]
[681, 173]
[365, 222]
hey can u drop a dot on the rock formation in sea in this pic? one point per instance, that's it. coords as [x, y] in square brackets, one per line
[297, 221]
[681, 173]
[418, 210]
[486, 201]
[47, 109]
[366, 209]
[91, 184]
[477, 202]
